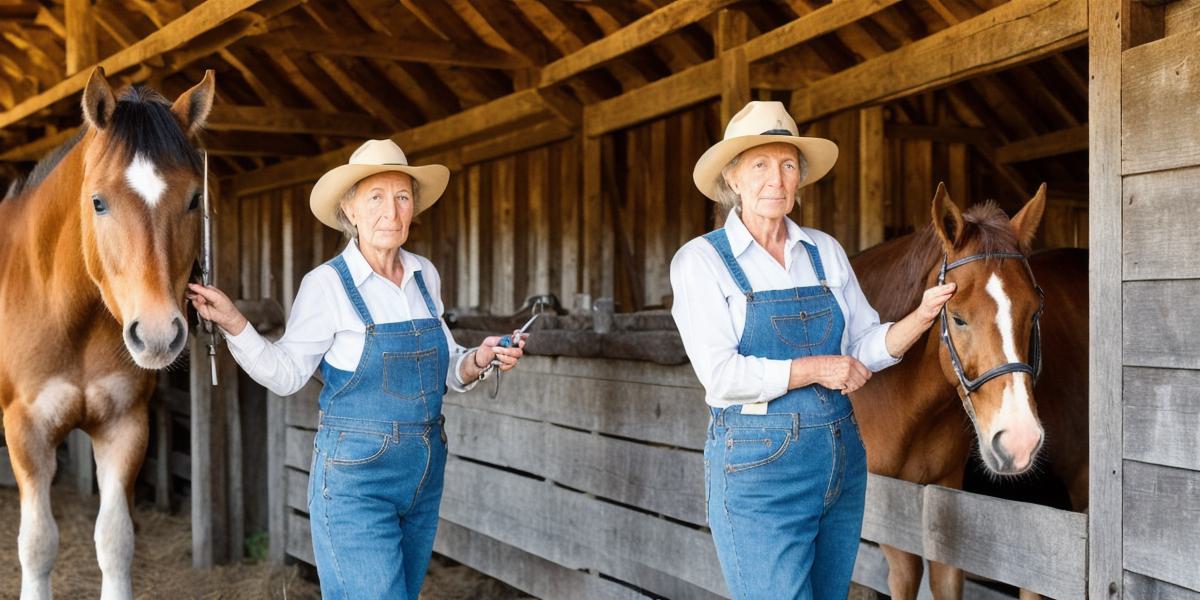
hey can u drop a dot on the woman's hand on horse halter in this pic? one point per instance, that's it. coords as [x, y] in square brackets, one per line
[933, 300]
[213, 305]
[843, 373]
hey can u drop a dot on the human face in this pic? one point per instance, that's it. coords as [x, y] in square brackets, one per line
[766, 179]
[382, 210]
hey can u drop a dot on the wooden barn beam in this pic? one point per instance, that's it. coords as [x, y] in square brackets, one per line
[504, 114]
[733, 29]
[1065, 141]
[81, 35]
[645, 30]
[191, 25]
[374, 45]
[253, 144]
[225, 117]
[975, 136]
[36, 149]
[19, 10]
[703, 81]
[1013, 33]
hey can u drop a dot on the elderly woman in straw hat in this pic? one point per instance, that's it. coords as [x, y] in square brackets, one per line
[778, 331]
[370, 319]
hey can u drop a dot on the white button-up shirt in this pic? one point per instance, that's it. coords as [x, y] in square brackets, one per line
[324, 323]
[710, 310]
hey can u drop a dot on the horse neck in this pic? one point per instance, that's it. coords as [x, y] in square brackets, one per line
[46, 236]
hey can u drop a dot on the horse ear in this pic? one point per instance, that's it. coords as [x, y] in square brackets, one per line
[947, 218]
[1026, 222]
[98, 101]
[191, 108]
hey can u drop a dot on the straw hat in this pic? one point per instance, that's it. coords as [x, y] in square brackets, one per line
[756, 124]
[374, 156]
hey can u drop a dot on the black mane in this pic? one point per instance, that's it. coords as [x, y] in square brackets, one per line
[142, 123]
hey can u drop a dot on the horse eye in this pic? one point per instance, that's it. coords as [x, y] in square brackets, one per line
[195, 203]
[99, 204]
[959, 322]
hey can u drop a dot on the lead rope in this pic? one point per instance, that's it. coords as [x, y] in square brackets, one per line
[206, 274]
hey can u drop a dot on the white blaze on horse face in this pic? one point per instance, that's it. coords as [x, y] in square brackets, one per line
[1022, 432]
[145, 180]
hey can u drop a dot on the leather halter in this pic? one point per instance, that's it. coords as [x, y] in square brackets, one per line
[1033, 367]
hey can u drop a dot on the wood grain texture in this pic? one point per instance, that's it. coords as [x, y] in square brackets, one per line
[1158, 224]
[1160, 82]
[1162, 523]
[1162, 417]
[1160, 320]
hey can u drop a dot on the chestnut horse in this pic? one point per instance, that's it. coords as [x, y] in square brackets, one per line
[95, 250]
[912, 416]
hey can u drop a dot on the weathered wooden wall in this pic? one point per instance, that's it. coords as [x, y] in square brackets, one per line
[583, 468]
[1145, 289]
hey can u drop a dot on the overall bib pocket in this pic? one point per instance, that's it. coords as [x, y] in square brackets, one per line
[805, 330]
[407, 375]
[750, 447]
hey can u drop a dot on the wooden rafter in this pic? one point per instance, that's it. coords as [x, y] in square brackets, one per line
[385, 47]
[1060, 142]
[201, 19]
[225, 117]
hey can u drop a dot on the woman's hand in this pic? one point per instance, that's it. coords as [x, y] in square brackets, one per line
[905, 332]
[491, 349]
[843, 373]
[213, 305]
[933, 301]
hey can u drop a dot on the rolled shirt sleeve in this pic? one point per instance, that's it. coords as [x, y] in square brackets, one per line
[457, 353]
[866, 337]
[711, 341]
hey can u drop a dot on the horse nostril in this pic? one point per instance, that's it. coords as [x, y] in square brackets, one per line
[136, 341]
[998, 448]
[180, 334]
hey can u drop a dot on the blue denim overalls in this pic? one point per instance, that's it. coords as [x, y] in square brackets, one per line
[379, 458]
[786, 489]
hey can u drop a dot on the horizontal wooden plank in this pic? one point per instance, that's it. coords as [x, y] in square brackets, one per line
[1158, 225]
[273, 119]
[893, 514]
[299, 444]
[299, 538]
[1139, 586]
[579, 532]
[662, 480]
[1160, 321]
[661, 414]
[613, 370]
[1162, 523]
[1160, 82]
[1055, 143]
[1034, 547]
[664, 96]
[405, 48]
[522, 570]
[302, 407]
[1162, 417]
[1013, 33]
[297, 490]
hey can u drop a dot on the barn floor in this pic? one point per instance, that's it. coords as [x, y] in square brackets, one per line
[162, 562]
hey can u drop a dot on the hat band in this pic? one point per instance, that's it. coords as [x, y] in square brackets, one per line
[777, 132]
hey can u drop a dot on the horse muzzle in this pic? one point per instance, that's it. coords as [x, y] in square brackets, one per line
[156, 343]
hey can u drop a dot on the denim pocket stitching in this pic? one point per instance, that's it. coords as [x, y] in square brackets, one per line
[361, 461]
[419, 356]
[804, 318]
[783, 446]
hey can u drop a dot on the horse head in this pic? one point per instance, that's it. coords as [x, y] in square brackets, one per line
[140, 209]
[990, 347]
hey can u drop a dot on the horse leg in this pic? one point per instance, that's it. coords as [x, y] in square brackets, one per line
[32, 450]
[120, 446]
[904, 573]
[945, 581]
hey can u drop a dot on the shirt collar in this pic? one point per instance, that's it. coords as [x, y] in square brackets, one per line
[740, 238]
[360, 269]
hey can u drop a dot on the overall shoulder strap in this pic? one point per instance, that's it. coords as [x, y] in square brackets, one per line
[815, 257]
[425, 294]
[720, 241]
[343, 271]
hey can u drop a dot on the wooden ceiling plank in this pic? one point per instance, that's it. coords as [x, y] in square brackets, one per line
[226, 117]
[1074, 139]
[293, 74]
[1017, 32]
[195, 22]
[418, 10]
[495, 23]
[375, 45]
[429, 94]
[80, 35]
[36, 149]
[354, 87]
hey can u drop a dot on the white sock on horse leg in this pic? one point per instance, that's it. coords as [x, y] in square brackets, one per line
[37, 544]
[114, 537]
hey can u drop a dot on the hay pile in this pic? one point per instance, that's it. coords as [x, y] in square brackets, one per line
[162, 562]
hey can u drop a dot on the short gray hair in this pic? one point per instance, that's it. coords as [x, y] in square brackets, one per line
[729, 199]
[350, 230]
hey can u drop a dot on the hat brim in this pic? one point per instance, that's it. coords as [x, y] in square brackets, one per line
[819, 153]
[329, 190]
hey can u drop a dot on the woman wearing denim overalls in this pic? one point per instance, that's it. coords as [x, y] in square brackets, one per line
[370, 319]
[779, 331]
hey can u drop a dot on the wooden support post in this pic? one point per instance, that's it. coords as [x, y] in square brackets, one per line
[162, 451]
[81, 36]
[733, 29]
[872, 159]
[208, 443]
[277, 507]
[595, 266]
[79, 447]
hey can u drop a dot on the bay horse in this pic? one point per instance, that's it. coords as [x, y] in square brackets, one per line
[914, 423]
[96, 248]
